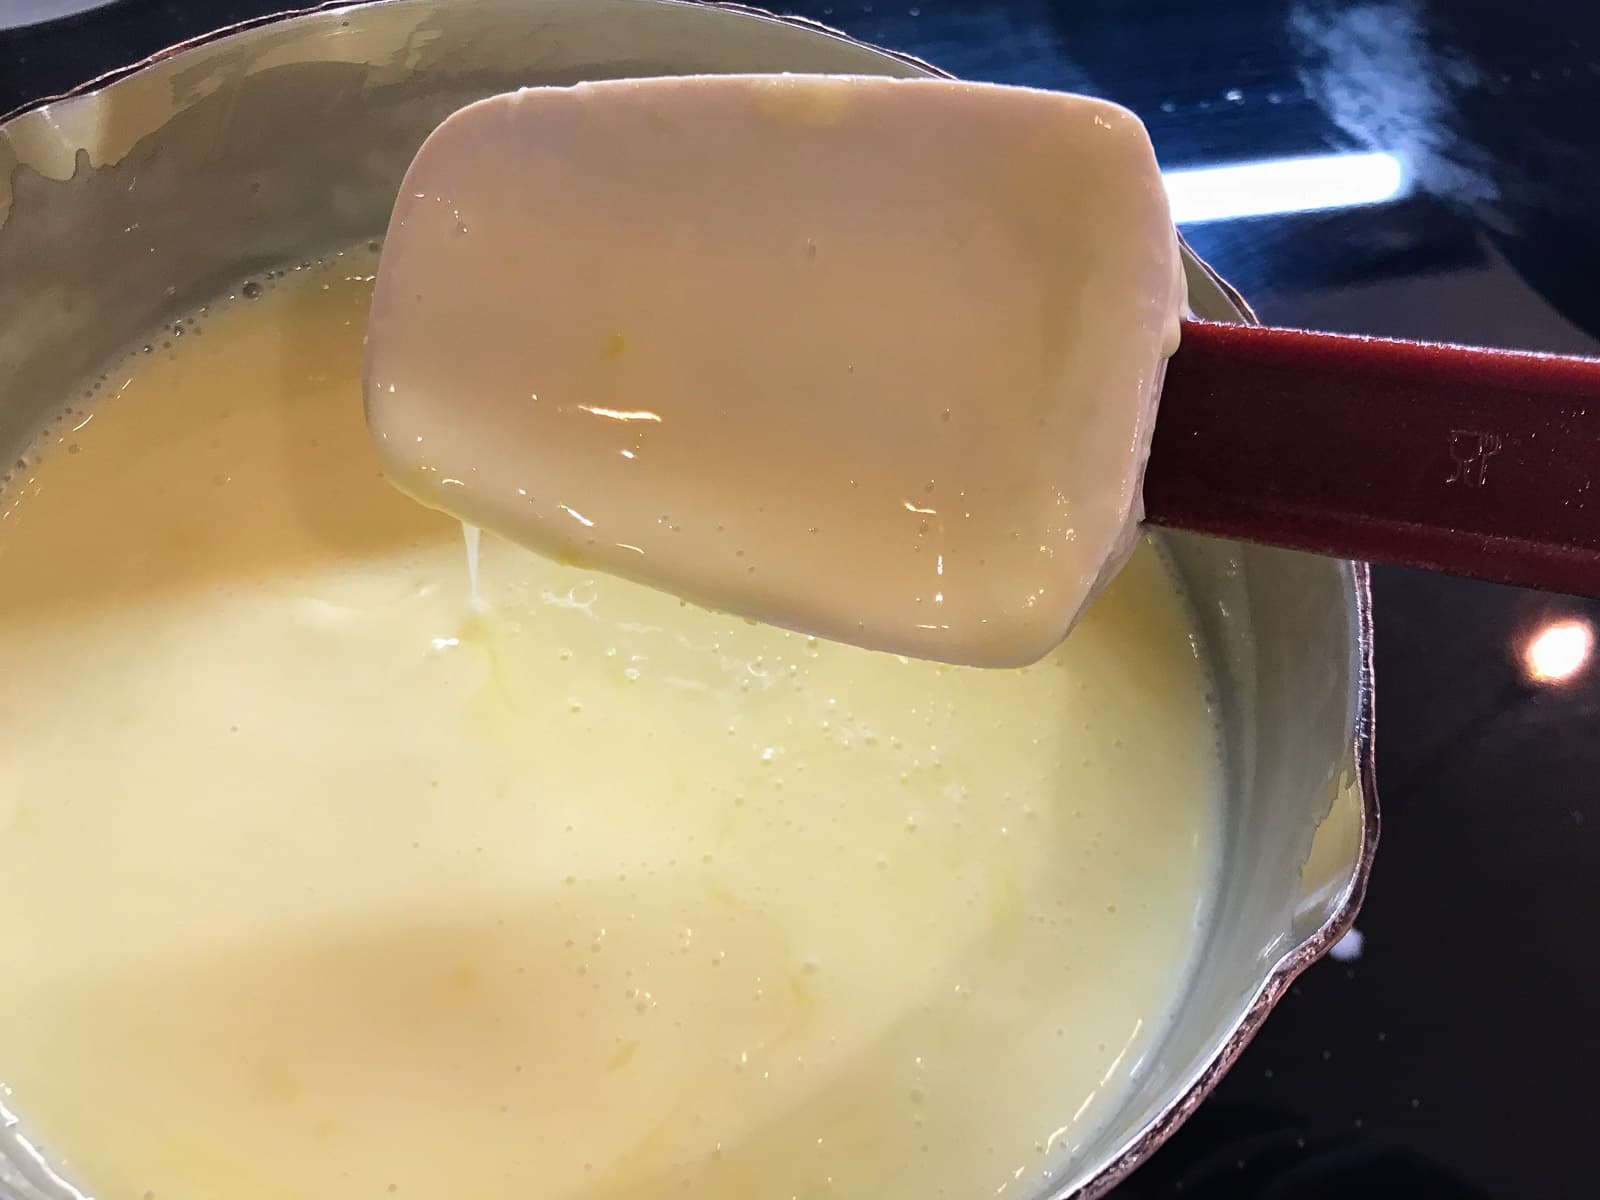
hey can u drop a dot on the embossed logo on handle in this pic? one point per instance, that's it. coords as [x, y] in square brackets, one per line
[1471, 451]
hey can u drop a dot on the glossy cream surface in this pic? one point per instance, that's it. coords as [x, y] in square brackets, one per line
[876, 359]
[319, 881]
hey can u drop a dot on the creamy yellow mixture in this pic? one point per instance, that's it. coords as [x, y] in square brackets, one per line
[320, 882]
[871, 358]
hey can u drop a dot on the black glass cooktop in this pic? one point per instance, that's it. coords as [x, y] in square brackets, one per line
[1424, 168]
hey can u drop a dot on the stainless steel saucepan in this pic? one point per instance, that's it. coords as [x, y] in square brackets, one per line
[143, 193]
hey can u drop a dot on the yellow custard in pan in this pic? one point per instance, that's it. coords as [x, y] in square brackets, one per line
[321, 881]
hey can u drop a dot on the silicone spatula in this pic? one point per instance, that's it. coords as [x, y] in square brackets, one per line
[880, 360]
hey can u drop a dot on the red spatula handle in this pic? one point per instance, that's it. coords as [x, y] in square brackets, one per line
[1472, 462]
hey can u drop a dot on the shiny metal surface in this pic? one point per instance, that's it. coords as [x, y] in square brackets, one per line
[136, 198]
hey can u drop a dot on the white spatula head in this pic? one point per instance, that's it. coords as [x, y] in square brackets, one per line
[876, 359]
